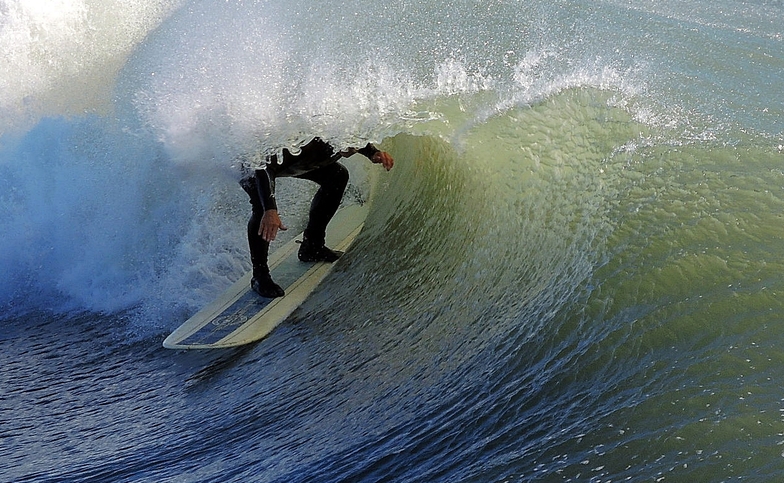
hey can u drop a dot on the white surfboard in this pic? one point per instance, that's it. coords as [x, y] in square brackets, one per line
[240, 316]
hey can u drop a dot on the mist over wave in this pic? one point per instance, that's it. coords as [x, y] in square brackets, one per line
[62, 57]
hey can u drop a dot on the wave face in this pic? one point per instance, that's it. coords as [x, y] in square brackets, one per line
[573, 272]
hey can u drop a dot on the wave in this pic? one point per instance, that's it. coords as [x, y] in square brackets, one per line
[505, 111]
[573, 269]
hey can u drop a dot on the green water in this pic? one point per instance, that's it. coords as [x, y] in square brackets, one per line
[632, 274]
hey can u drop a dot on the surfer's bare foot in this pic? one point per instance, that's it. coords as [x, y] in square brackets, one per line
[266, 287]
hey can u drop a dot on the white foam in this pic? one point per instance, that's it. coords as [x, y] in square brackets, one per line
[61, 56]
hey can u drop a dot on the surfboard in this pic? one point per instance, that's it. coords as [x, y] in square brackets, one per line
[241, 316]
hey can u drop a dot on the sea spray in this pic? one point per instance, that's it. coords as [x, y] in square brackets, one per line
[62, 57]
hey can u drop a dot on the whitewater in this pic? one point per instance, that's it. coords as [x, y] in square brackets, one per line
[572, 273]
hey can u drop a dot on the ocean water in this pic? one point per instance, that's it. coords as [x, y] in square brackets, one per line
[574, 271]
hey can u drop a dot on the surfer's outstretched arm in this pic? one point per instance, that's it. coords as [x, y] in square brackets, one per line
[374, 154]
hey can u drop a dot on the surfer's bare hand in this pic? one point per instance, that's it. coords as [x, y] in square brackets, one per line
[270, 224]
[383, 158]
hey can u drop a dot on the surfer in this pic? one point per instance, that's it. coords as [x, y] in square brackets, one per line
[317, 162]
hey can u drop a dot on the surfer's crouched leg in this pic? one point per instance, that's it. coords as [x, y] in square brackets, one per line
[332, 180]
[262, 282]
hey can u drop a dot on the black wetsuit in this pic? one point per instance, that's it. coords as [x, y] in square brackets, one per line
[316, 162]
